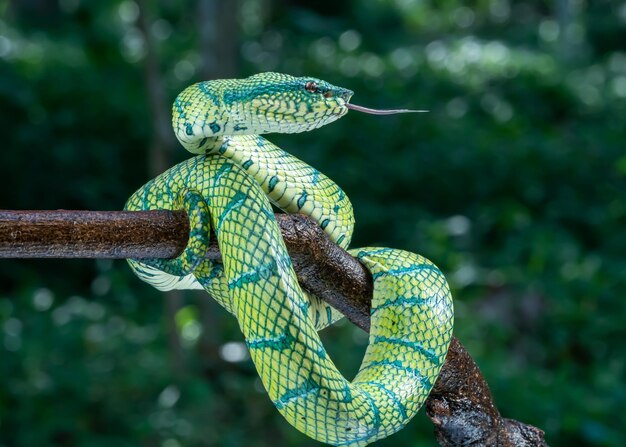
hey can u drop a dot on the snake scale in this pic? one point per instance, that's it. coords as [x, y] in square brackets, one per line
[229, 186]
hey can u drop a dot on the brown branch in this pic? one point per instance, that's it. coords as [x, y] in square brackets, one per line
[460, 405]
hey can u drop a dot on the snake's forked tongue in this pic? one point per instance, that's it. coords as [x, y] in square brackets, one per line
[381, 111]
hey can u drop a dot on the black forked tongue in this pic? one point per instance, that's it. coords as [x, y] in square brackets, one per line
[381, 112]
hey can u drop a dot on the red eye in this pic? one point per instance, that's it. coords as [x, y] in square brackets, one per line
[311, 87]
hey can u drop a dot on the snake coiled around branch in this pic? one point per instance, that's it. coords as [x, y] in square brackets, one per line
[229, 187]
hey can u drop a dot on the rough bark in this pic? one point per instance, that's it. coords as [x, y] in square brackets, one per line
[460, 405]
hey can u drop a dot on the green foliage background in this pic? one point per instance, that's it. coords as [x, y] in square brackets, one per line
[513, 184]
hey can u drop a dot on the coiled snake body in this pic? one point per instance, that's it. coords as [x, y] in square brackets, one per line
[227, 188]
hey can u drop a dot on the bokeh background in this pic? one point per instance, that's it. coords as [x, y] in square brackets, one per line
[514, 184]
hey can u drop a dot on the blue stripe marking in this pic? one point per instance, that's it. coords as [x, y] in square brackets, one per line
[272, 183]
[403, 270]
[278, 343]
[398, 365]
[246, 164]
[374, 429]
[168, 187]
[252, 276]
[215, 128]
[284, 261]
[315, 177]
[222, 170]
[364, 253]
[392, 396]
[414, 300]
[411, 345]
[268, 213]
[145, 203]
[216, 271]
[191, 170]
[302, 199]
[179, 108]
[203, 88]
[235, 202]
[304, 307]
[376, 413]
[294, 394]
[232, 96]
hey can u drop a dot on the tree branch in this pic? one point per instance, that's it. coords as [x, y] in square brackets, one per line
[460, 405]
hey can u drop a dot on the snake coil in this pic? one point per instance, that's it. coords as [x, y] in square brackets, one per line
[228, 186]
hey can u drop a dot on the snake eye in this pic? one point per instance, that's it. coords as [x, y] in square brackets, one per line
[311, 87]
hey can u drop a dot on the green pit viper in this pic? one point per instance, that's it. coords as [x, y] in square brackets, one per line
[229, 187]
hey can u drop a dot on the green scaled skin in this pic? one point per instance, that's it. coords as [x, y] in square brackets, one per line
[231, 185]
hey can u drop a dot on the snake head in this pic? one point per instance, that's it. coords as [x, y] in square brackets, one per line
[276, 102]
[263, 103]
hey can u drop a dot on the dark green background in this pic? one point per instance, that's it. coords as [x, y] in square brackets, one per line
[513, 184]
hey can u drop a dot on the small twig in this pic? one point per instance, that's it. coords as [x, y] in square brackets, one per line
[460, 405]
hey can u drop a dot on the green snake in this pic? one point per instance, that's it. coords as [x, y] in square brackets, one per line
[230, 187]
